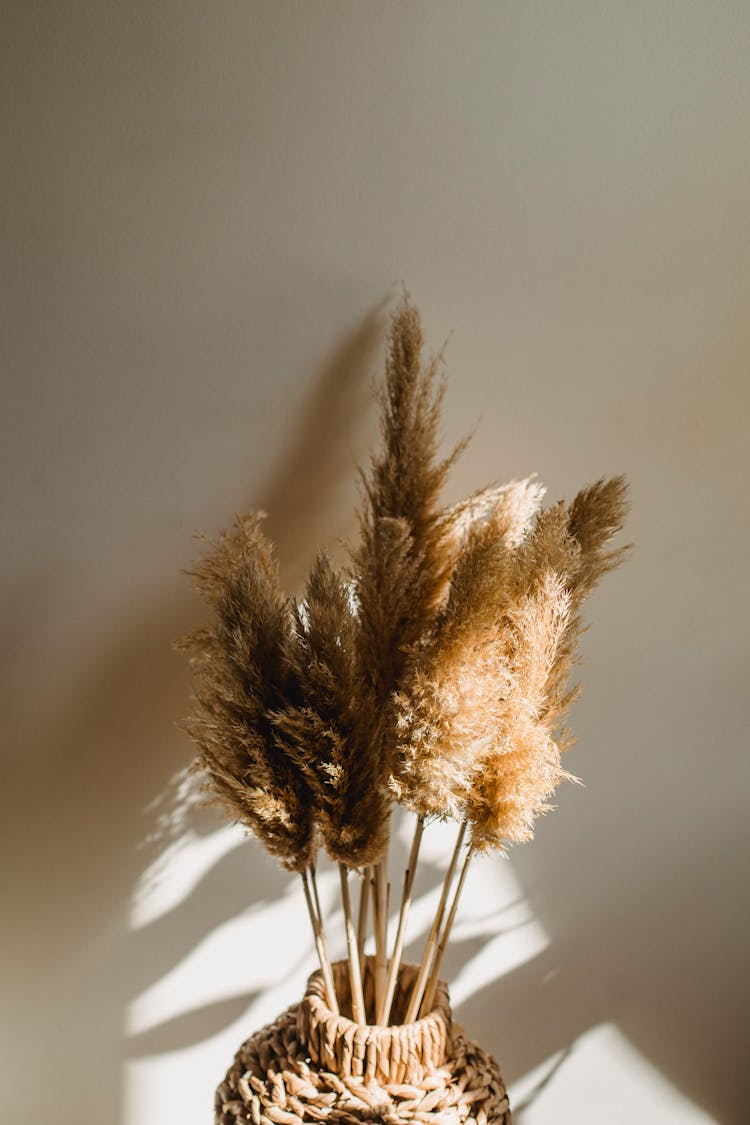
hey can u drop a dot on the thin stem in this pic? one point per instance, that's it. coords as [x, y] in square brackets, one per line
[355, 971]
[364, 901]
[381, 931]
[429, 995]
[415, 999]
[376, 905]
[384, 1014]
[316, 896]
[320, 945]
[324, 943]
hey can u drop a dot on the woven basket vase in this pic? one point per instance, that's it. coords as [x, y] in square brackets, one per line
[311, 1065]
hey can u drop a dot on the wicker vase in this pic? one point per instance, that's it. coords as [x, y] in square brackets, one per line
[312, 1065]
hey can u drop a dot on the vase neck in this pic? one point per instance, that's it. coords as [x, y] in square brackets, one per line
[396, 1054]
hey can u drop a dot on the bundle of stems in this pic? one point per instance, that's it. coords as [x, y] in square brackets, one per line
[432, 671]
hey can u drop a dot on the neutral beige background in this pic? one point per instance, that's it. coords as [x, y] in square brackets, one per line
[206, 208]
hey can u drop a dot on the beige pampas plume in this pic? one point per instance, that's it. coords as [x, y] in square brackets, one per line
[447, 709]
[556, 566]
[447, 712]
[242, 678]
[511, 507]
[478, 719]
[513, 781]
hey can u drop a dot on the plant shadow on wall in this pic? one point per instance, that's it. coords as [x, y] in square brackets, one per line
[76, 791]
[115, 748]
[547, 1004]
[640, 959]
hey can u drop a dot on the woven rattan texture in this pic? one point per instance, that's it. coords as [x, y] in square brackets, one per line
[273, 1081]
[398, 1053]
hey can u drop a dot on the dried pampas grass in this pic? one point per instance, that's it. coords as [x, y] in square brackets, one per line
[400, 566]
[479, 719]
[242, 680]
[402, 563]
[450, 709]
[435, 670]
[407, 476]
[332, 731]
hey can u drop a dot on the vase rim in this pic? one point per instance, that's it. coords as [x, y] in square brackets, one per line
[390, 1054]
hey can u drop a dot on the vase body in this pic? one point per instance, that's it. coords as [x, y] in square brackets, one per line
[312, 1065]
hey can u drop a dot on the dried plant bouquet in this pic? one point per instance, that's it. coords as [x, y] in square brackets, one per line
[432, 672]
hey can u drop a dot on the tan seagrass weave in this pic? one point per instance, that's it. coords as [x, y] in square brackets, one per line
[310, 1065]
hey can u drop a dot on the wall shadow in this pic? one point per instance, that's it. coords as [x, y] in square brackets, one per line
[78, 801]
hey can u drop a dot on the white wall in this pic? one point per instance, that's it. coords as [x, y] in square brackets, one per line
[205, 207]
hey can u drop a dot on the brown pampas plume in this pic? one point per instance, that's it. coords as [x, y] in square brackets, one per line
[331, 731]
[242, 678]
[403, 485]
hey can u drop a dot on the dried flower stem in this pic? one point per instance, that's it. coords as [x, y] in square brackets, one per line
[376, 908]
[381, 931]
[364, 902]
[316, 896]
[419, 985]
[319, 912]
[429, 996]
[384, 1013]
[320, 943]
[355, 970]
